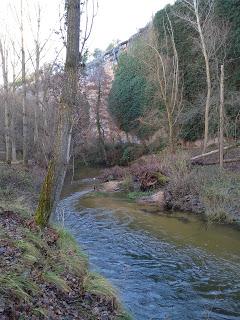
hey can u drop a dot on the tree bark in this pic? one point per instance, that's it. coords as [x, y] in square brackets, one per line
[221, 118]
[170, 133]
[6, 104]
[13, 134]
[53, 183]
[24, 95]
[36, 91]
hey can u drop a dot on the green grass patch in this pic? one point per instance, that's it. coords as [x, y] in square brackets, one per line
[138, 194]
[97, 285]
[18, 285]
[70, 253]
[56, 280]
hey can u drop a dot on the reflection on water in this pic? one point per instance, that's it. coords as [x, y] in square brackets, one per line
[164, 266]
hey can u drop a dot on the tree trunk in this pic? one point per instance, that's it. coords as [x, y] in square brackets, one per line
[170, 131]
[204, 155]
[37, 102]
[36, 91]
[208, 77]
[13, 134]
[14, 149]
[53, 183]
[98, 124]
[221, 118]
[24, 94]
[6, 104]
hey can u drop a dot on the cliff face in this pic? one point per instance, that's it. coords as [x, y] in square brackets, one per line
[100, 75]
[97, 88]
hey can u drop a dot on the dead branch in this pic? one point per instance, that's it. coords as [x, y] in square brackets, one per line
[204, 155]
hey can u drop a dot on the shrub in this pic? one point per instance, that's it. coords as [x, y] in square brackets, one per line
[114, 173]
[20, 180]
[128, 183]
[220, 192]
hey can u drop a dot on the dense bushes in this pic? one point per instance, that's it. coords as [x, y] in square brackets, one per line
[131, 95]
[117, 154]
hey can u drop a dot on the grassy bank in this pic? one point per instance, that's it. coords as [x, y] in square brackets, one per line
[203, 190]
[43, 273]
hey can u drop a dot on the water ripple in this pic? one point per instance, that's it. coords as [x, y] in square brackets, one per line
[157, 278]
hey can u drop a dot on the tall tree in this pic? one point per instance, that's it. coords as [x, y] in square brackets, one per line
[98, 90]
[37, 69]
[221, 118]
[4, 56]
[197, 15]
[24, 93]
[13, 111]
[165, 66]
[53, 183]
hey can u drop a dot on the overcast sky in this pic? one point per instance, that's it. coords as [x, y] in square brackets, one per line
[116, 19]
[119, 19]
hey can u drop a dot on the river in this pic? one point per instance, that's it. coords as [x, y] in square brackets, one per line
[167, 266]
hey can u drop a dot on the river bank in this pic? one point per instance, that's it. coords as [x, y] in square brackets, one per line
[173, 184]
[43, 273]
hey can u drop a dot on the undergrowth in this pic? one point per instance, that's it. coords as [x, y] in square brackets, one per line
[206, 190]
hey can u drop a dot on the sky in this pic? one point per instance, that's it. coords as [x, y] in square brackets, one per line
[116, 19]
[119, 19]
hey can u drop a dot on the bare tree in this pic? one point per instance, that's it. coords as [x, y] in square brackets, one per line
[221, 118]
[197, 17]
[24, 92]
[4, 57]
[13, 134]
[37, 70]
[97, 91]
[165, 66]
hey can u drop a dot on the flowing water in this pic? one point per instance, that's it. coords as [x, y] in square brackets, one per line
[168, 266]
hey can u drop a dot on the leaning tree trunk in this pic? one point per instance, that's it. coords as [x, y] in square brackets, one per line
[53, 183]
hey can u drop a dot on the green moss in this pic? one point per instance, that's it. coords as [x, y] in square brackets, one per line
[45, 203]
[162, 179]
